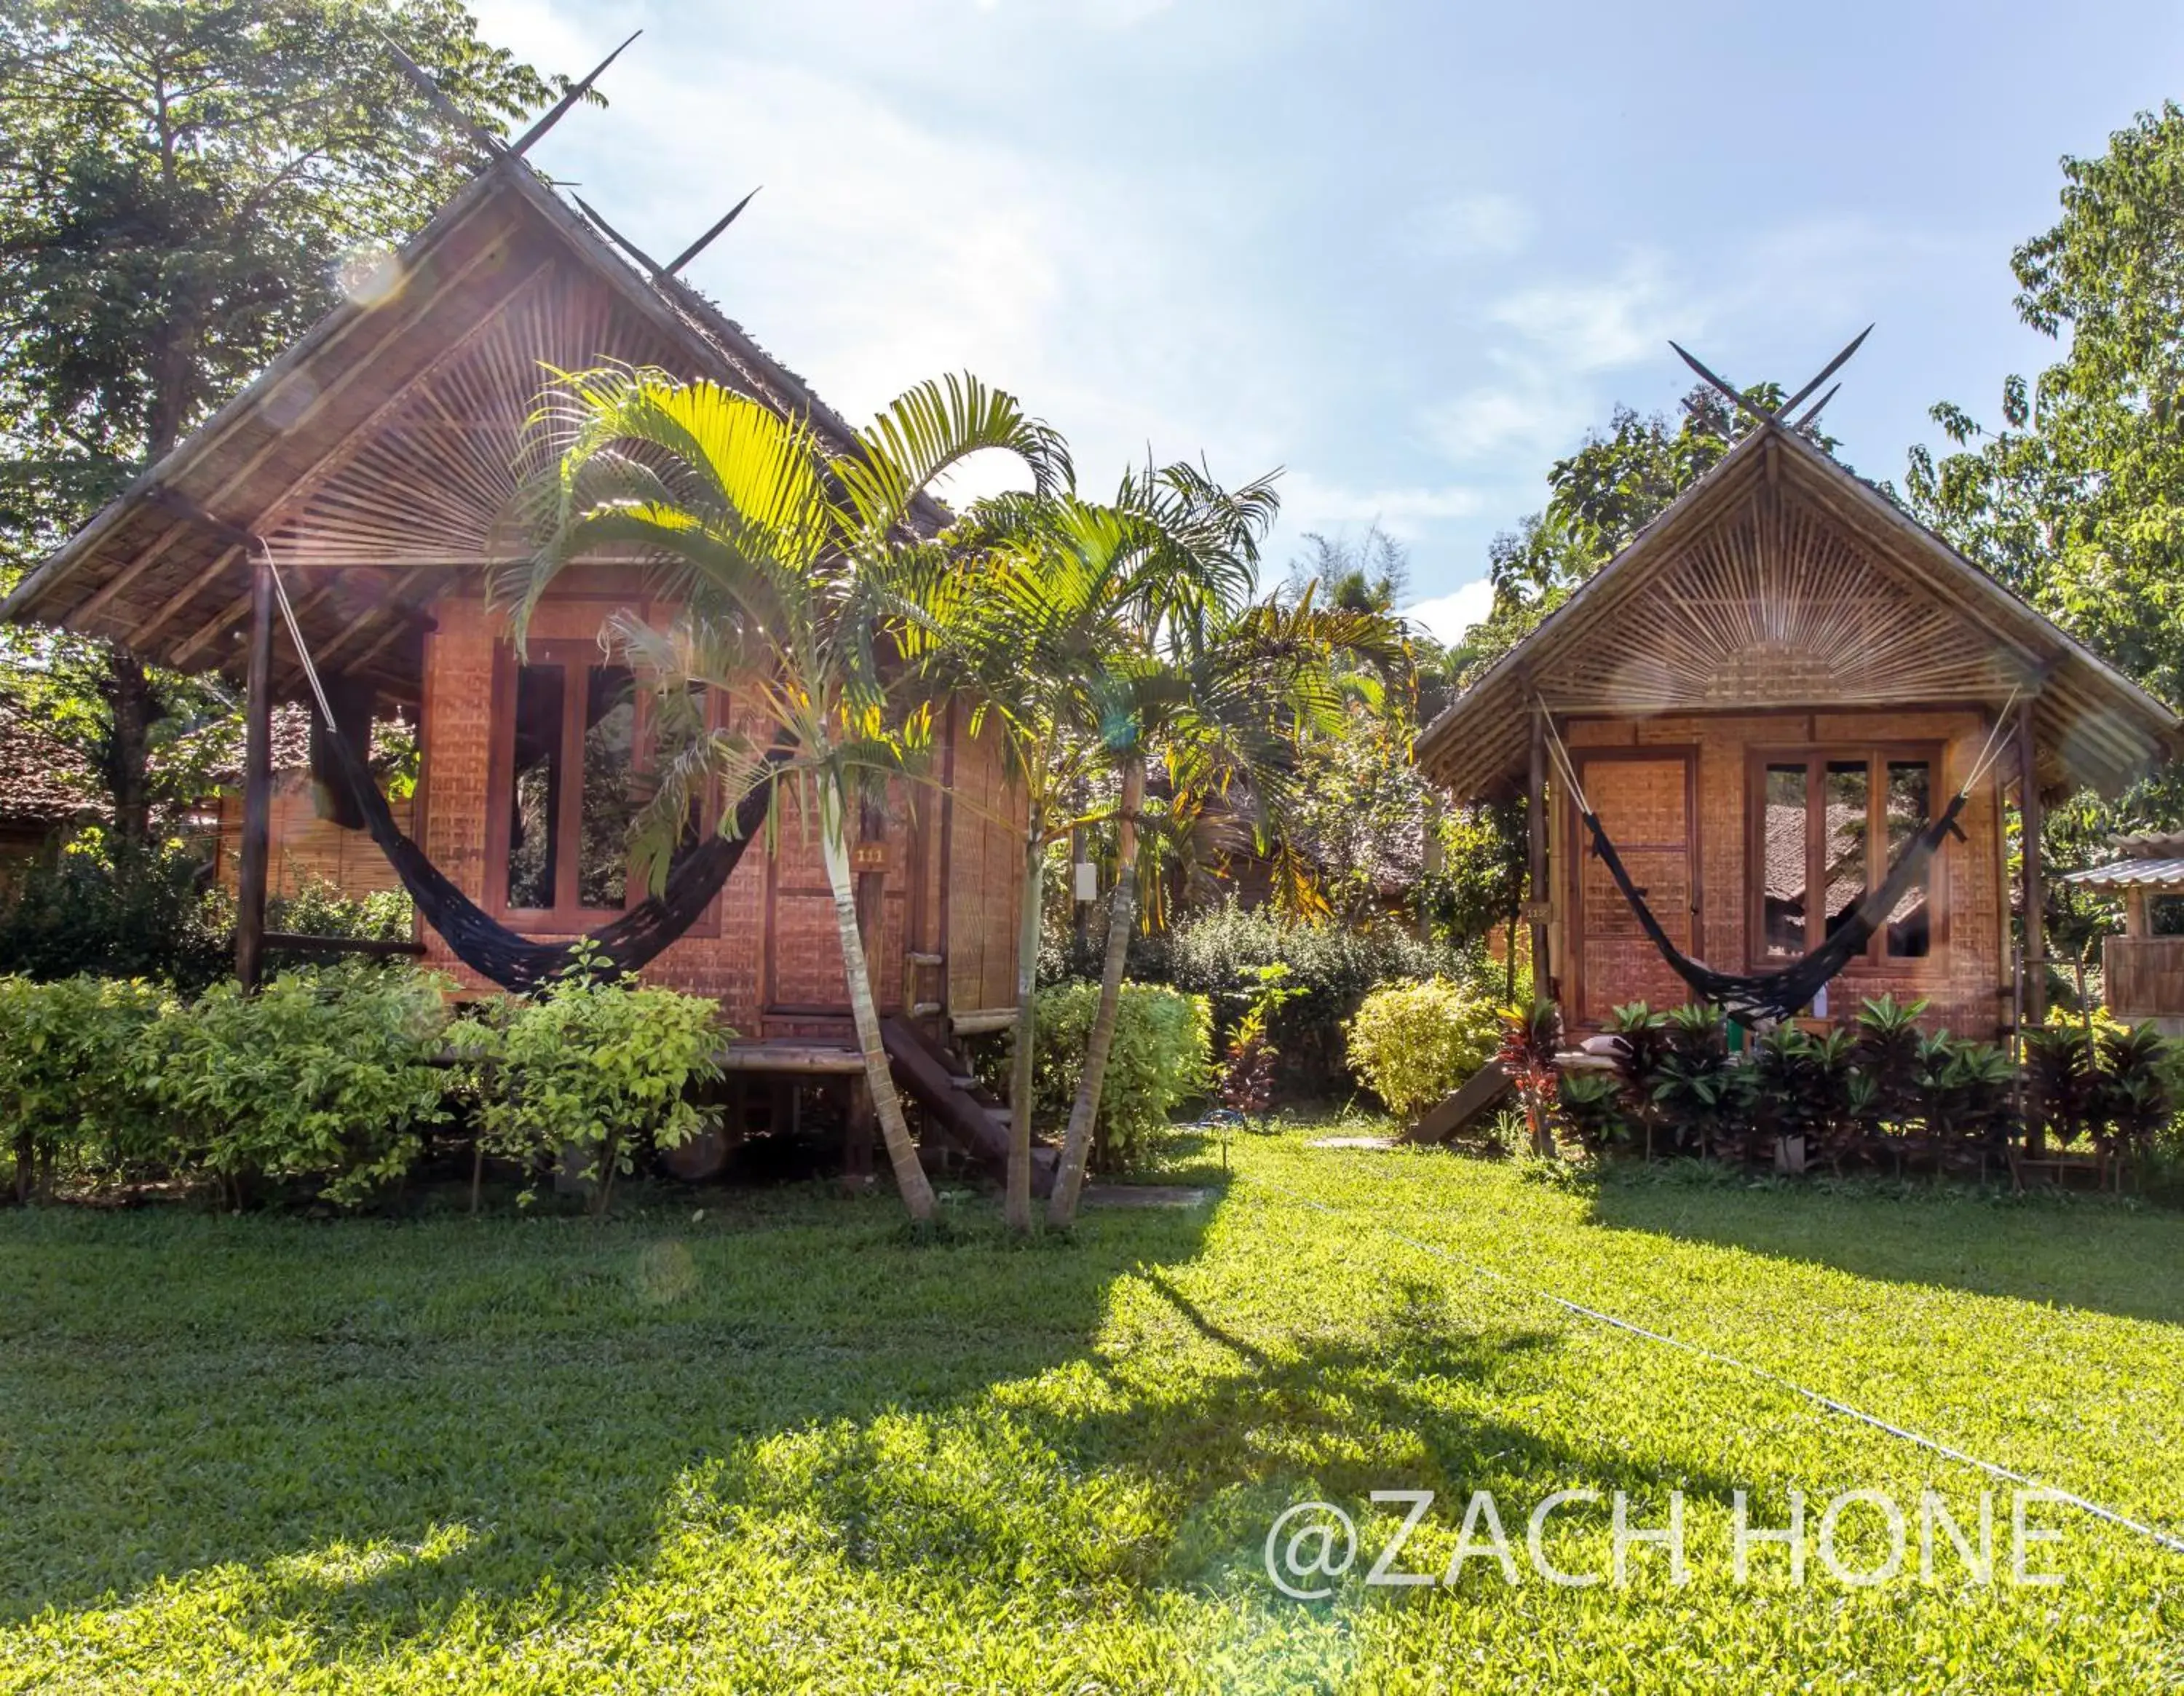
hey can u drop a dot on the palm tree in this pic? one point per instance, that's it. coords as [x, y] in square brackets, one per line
[798, 574]
[1044, 637]
[1223, 698]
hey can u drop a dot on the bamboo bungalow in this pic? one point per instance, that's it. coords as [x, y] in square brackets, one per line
[374, 461]
[1778, 684]
[2142, 969]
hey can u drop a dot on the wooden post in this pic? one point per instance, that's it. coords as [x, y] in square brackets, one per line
[1535, 829]
[2032, 1003]
[2035, 889]
[257, 783]
[858, 1126]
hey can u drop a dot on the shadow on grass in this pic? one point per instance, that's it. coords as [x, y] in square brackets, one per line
[2075, 1250]
[179, 1392]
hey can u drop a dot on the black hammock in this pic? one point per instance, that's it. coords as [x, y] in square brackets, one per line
[515, 962]
[1780, 994]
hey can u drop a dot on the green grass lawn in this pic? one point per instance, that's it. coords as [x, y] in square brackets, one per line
[783, 1447]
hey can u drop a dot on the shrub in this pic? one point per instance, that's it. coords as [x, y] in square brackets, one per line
[1591, 1106]
[1531, 1039]
[1161, 1057]
[100, 905]
[1219, 953]
[1702, 1098]
[1412, 1044]
[320, 908]
[2137, 1097]
[1642, 1055]
[77, 1075]
[593, 1066]
[326, 1073]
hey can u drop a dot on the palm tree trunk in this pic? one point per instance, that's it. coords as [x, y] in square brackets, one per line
[864, 1012]
[1061, 1205]
[1018, 1206]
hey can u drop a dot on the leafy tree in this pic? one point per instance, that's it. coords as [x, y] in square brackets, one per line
[1369, 573]
[2076, 500]
[1045, 631]
[181, 182]
[1223, 698]
[798, 578]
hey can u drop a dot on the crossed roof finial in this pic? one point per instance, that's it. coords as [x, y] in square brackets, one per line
[497, 150]
[1760, 415]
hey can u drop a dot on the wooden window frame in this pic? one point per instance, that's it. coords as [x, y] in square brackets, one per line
[570, 918]
[1816, 758]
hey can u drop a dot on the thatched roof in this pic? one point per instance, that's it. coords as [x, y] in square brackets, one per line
[1780, 580]
[376, 455]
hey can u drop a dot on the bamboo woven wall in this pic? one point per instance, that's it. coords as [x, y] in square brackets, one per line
[306, 848]
[1644, 800]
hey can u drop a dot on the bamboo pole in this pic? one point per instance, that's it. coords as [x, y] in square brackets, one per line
[257, 780]
[2035, 889]
[1535, 863]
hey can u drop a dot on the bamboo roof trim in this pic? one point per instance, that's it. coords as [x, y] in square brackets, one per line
[1780, 580]
[376, 452]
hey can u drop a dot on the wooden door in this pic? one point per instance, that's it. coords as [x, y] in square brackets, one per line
[1646, 804]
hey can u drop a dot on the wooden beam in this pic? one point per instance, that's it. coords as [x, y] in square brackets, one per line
[1535, 854]
[129, 573]
[400, 621]
[2034, 890]
[229, 613]
[391, 602]
[180, 598]
[791, 1058]
[257, 783]
[376, 947]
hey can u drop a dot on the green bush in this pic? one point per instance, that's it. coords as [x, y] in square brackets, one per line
[1162, 1057]
[1412, 1044]
[100, 906]
[1219, 954]
[78, 1078]
[593, 1066]
[326, 1073]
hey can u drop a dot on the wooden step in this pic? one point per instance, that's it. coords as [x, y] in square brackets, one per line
[1483, 1090]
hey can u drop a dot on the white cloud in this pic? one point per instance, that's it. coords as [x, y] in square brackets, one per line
[1549, 343]
[1473, 226]
[1529, 416]
[1592, 326]
[1446, 617]
[890, 246]
[1310, 502]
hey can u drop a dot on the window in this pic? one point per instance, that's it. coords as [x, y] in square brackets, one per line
[1827, 828]
[572, 741]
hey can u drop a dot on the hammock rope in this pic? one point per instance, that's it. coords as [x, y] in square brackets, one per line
[1755, 997]
[513, 961]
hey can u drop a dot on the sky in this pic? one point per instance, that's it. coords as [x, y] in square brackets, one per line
[1405, 253]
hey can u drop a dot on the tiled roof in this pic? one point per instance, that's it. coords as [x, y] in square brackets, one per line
[2147, 873]
[42, 780]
